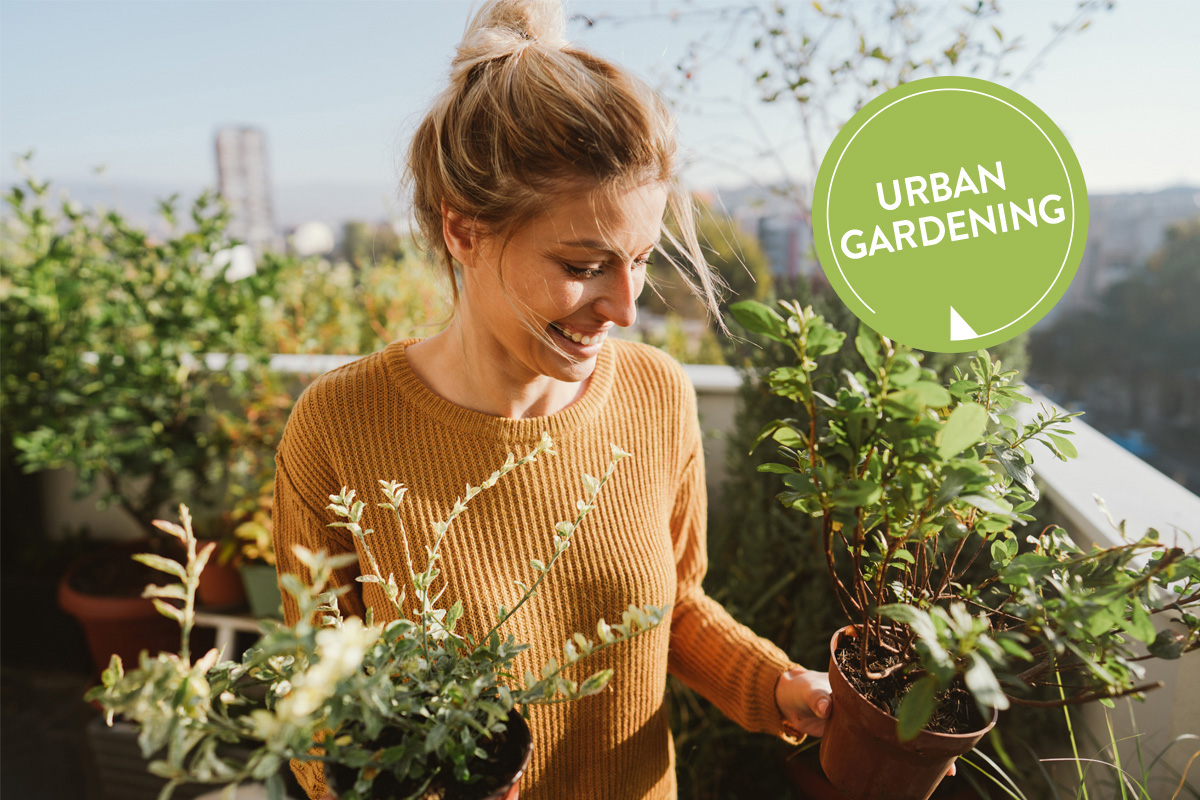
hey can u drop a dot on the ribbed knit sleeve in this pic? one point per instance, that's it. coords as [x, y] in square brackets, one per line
[711, 652]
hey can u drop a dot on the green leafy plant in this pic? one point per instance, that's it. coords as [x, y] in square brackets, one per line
[439, 695]
[110, 333]
[915, 482]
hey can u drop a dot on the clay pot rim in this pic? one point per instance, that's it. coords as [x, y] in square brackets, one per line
[103, 606]
[925, 737]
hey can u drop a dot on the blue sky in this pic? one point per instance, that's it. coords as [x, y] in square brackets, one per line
[141, 86]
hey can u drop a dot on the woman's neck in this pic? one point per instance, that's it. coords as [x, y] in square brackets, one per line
[477, 374]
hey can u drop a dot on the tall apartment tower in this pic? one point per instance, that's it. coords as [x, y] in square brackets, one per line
[245, 184]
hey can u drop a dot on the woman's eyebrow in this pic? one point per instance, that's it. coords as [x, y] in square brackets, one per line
[596, 244]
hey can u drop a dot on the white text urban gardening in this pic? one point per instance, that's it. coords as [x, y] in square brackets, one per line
[994, 218]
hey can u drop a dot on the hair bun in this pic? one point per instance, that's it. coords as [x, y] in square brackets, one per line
[504, 27]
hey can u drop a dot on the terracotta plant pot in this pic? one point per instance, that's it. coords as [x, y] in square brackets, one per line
[514, 755]
[262, 590]
[221, 587]
[862, 755]
[125, 624]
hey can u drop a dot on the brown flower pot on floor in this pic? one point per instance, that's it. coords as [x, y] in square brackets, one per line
[123, 623]
[220, 587]
[513, 756]
[865, 759]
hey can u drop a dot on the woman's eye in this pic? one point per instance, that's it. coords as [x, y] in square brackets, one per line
[583, 271]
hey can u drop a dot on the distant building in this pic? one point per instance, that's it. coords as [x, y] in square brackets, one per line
[779, 220]
[245, 185]
[787, 243]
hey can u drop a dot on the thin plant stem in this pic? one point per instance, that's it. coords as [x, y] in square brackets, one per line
[1071, 735]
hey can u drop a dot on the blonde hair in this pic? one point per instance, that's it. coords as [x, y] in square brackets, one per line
[528, 117]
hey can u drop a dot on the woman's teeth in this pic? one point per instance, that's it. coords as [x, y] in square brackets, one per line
[580, 338]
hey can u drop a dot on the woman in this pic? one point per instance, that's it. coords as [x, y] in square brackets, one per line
[542, 175]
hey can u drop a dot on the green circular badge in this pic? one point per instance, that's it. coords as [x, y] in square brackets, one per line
[950, 214]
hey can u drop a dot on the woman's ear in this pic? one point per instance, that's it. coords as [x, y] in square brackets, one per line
[460, 235]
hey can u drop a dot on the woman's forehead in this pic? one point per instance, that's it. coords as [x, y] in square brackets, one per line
[609, 220]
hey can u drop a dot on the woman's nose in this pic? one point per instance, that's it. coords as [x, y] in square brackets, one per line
[618, 303]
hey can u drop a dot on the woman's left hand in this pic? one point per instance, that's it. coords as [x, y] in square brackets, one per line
[804, 699]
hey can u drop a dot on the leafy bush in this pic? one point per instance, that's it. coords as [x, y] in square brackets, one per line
[104, 356]
[913, 481]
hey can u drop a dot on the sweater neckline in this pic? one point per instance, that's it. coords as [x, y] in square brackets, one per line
[464, 420]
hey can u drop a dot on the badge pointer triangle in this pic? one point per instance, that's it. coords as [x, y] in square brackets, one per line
[959, 329]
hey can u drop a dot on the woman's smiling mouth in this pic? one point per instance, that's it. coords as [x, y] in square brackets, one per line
[584, 339]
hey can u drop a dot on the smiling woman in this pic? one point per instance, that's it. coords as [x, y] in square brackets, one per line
[541, 178]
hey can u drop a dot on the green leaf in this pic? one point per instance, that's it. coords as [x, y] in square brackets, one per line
[916, 708]
[984, 686]
[823, 340]
[932, 394]
[1010, 646]
[173, 592]
[904, 403]
[868, 347]
[162, 564]
[779, 469]
[788, 438]
[858, 493]
[1064, 446]
[595, 683]
[168, 610]
[1167, 644]
[988, 504]
[1014, 464]
[761, 319]
[964, 428]
[1140, 625]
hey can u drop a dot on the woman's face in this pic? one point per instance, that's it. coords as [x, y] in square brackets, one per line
[573, 274]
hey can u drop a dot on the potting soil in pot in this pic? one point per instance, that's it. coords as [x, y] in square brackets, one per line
[506, 754]
[957, 713]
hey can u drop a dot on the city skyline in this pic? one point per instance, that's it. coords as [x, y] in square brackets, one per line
[142, 89]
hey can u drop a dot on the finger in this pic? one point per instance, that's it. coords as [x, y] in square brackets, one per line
[953, 769]
[822, 705]
[810, 726]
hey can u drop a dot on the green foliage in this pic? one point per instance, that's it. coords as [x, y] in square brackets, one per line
[336, 308]
[913, 480]
[364, 244]
[438, 695]
[107, 329]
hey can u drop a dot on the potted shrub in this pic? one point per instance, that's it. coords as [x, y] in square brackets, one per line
[115, 326]
[432, 709]
[257, 561]
[953, 616]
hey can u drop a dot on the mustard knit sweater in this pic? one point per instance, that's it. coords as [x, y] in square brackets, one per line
[644, 543]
